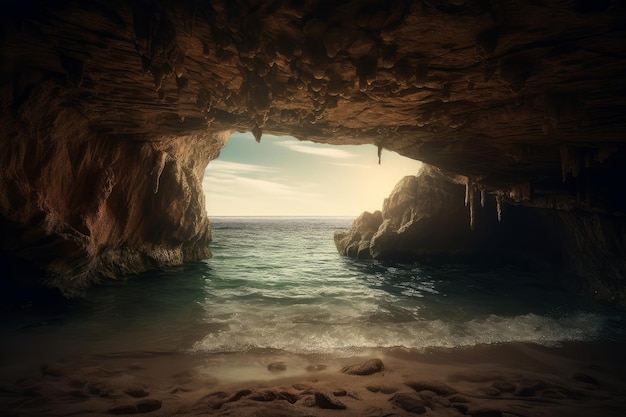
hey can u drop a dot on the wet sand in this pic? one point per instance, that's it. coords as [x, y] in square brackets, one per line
[576, 379]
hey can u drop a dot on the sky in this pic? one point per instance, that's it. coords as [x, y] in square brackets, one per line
[282, 176]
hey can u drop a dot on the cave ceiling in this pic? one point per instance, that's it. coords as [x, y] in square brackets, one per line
[515, 93]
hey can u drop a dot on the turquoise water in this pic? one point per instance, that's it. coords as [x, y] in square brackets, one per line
[278, 284]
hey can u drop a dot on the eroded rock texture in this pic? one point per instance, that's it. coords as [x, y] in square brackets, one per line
[109, 110]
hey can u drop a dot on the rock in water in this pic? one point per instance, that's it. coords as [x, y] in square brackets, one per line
[366, 368]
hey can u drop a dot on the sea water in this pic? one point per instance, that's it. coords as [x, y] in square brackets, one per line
[278, 285]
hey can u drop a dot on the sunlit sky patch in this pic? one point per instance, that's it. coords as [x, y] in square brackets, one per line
[282, 176]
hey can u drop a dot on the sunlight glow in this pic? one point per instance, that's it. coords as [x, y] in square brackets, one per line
[282, 176]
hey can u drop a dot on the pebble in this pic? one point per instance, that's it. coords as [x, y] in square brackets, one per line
[366, 368]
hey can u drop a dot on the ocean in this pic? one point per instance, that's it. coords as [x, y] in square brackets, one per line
[277, 285]
[276, 295]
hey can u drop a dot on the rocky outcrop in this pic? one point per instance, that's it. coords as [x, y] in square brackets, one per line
[432, 217]
[83, 208]
[109, 111]
[356, 242]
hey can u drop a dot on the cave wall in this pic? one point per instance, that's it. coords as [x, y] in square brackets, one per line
[110, 110]
[78, 206]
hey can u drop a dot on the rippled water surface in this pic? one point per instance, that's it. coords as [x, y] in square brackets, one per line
[279, 284]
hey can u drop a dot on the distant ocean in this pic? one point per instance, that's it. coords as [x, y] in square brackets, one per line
[278, 284]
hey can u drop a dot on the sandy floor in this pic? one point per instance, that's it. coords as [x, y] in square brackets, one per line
[503, 380]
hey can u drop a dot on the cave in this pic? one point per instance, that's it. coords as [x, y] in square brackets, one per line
[110, 111]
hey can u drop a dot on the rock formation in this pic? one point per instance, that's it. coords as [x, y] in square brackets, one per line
[430, 217]
[110, 110]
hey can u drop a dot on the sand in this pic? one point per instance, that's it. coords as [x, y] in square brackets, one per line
[577, 379]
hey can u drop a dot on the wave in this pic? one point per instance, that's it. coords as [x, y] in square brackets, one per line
[328, 338]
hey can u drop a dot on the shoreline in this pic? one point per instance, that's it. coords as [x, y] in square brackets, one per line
[509, 379]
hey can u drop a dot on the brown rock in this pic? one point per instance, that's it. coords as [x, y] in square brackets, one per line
[148, 405]
[356, 242]
[432, 399]
[328, 401]
[409, 401]
[366, 368]
[438, 388]
[306, 401]
[382, 389]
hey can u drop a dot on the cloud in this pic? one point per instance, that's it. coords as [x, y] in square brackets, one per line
[240, 195]
[235, 168]
[315, 149]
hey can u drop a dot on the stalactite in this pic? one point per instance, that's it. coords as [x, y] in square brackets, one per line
[257, 132]
[482, 198]
[499, 205]
[468, 185]
[380, 152]
[160, 165]
[469, 199]
[520, 192]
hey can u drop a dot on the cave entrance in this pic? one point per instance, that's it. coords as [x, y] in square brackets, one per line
[282, 176]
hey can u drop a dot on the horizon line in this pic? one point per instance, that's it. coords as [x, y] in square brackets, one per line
[282, 215]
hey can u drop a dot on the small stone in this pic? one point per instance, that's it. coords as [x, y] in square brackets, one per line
[290, 397]
[366, 368]
[306, 401]
[437, 387]
[409, 401]
[277, 367]
[383, 389]
[431, 399]
[328, 401]
[148, 405]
